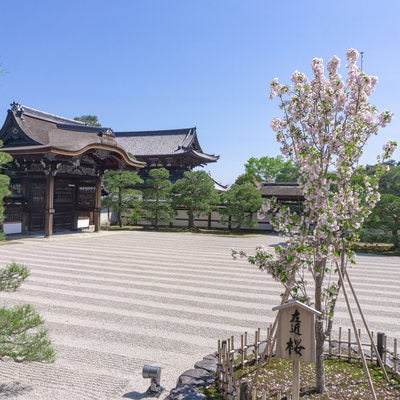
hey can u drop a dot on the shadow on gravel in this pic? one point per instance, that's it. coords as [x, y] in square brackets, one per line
[14, 389]
[136, 395]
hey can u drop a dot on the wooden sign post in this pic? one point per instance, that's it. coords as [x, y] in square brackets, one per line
[296, 337]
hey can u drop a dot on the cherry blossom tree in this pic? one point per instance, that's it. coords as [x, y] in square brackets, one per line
[326, 123]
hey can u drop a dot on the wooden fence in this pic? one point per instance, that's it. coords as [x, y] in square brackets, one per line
[234, 354]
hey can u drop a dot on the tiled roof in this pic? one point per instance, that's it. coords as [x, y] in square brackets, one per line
[30, 130]
[281, 190]
[162, 143]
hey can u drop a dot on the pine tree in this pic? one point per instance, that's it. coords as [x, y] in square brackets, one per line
[22, 337]
[196, 192]
[157, 203]
[121, 193]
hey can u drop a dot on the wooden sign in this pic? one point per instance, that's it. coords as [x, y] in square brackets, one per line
[296, 333]
[296, 337]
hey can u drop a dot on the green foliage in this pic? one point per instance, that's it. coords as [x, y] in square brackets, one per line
[157, 198]
[271, 169]
[195, 192]
[21, 336]
[90, 120]
[390, 181]
[386, 216]
[240, 202]
[245, 179]
[121, 194]
[5, 158]
[17, 340]
[12, 276]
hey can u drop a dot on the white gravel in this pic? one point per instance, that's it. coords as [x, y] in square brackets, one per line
[114, 301]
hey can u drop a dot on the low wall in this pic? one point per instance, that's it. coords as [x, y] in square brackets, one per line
[208, 221]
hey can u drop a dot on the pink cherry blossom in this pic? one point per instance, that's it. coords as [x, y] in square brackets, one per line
[325, 124]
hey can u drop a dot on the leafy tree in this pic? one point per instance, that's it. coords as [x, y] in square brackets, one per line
[390, 181]
[246, 179]
[326, 123]
[196, 192]
[157, 198]
[271, 169]
[386, 216]
[121, 194]
[90, 120]
[22, 337]
[5, 158]
[240, 202]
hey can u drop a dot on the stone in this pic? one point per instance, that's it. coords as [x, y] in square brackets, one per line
[196, 377]
[207, 364]
[213, 356]
[185, 392]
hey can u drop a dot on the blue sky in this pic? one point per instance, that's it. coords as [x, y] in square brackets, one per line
[165, 64]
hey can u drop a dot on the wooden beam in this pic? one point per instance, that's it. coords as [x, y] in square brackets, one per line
[49, 211]
[97, 205]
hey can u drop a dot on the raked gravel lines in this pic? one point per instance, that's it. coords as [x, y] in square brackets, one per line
[114, 301]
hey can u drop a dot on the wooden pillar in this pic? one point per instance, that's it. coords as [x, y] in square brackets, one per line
[49, 211]
[97, 205]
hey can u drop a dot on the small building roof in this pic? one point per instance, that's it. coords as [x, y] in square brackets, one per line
[282, 190]
[164, 143]
[30, 131]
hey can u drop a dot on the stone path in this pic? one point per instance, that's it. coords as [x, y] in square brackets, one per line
[114, 301]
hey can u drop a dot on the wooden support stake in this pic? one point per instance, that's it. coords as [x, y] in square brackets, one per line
[395, 360]
[296, 380]
[244, 391]
[384, 349]
[349, 344]
[245, 346]
[256, 346]
[242, 348]
[372, 346]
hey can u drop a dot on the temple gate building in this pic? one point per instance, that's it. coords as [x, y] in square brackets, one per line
[56, 171]
[58, 164]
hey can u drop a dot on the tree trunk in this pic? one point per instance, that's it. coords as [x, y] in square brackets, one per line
[119, 211]
[395, 237]
[190, 219]
[319, 337]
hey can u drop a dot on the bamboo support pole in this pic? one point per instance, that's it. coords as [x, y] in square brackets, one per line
[381, 363]
[370, 384]
[349, 344]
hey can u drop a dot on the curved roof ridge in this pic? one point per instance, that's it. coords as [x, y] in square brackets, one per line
[180, 131]
[33, 112]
